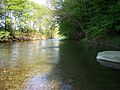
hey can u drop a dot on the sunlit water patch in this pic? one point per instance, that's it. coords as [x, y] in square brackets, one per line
[23, 64]
[38, 82]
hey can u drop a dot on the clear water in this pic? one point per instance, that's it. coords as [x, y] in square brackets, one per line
[54, 65]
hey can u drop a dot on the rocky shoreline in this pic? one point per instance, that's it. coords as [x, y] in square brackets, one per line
[24, 37]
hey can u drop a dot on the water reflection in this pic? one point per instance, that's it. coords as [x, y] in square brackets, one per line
[54, 65]
[27, 65]
[81, 70]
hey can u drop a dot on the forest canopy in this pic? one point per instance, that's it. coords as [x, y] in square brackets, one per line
[73, 19]
[89, 18]
[25, 16]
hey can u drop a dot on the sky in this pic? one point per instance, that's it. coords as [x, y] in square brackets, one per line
[42, 2]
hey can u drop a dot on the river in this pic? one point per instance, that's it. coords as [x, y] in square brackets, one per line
[54, 65]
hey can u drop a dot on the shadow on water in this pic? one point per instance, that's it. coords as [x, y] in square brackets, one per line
[81, 70]
[54, 65]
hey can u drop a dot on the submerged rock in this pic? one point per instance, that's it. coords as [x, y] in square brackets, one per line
[109, 59]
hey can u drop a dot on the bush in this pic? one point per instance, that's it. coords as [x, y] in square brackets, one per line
[4, 35]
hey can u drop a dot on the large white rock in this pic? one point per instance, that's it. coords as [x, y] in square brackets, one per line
[109, 59]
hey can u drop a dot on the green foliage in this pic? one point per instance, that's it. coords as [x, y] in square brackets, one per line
[71, 21]
[24, 16]
[97, 18]
[4, 35]
[104, 17]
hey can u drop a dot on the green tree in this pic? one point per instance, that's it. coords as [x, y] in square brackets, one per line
[95, 18]
[71, 21]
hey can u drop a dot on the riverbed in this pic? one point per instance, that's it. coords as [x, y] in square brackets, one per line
[54, 65]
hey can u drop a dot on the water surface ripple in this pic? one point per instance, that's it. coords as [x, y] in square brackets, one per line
[54, 65]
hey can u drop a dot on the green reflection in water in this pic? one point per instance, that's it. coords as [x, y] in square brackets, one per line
[81, 70]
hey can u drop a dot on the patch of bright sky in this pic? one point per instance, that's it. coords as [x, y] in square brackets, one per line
[41, 2]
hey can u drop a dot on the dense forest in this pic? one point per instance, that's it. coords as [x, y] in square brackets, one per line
[95, 20]
[90, 19]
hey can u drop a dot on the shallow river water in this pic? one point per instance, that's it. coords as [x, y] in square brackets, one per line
[54, 65]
